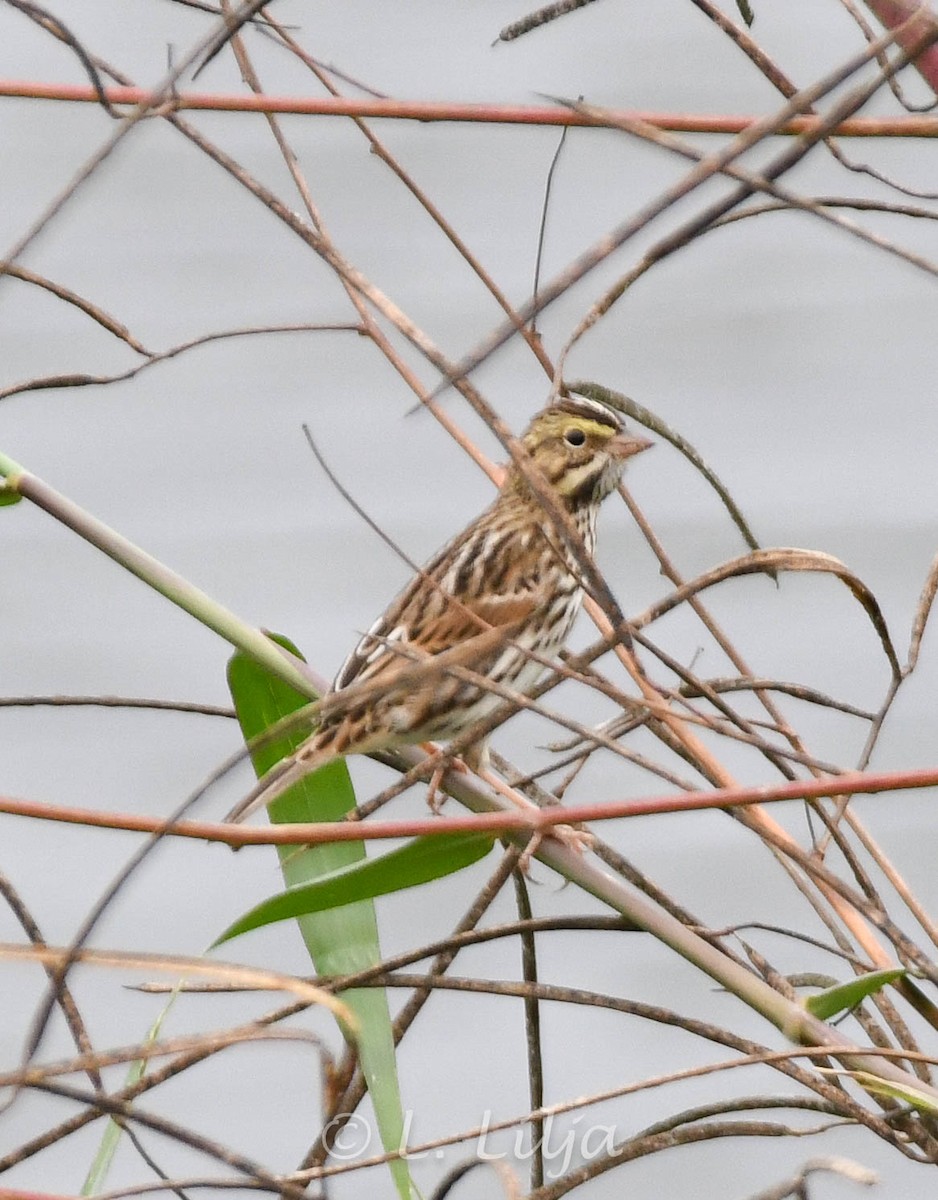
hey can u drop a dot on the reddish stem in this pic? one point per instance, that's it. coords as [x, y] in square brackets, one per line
[533, 819]
[433, 110]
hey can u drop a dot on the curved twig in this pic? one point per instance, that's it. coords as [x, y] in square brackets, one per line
[650, 420]
[788, 558]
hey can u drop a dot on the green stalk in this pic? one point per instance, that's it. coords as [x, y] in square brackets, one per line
[163, 580]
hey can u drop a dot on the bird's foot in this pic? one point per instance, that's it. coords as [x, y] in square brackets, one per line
[577, 840]
[435, 797]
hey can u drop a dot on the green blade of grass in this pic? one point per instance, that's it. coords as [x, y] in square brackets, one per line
[100, 1167]
[909, 1094]
[338, 940]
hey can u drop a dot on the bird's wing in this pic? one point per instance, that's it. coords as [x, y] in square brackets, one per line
[442, 607]
[471, 629]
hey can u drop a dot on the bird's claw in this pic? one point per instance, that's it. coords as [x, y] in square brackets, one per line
[573, 838]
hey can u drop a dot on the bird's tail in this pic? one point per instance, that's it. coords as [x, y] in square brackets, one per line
[280, 778]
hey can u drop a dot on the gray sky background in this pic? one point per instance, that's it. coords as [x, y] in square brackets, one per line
[799, 361]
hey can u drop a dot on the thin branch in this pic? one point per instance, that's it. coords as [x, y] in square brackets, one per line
[183, 706]
[449, 112]
[471, 790]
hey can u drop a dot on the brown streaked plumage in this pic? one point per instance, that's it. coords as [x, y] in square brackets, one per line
[496, 601]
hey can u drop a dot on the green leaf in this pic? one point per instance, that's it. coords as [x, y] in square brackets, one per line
[419, 861]
[908, 1094]
[341, 940]
[844, 996]
[745, 11]
[8, 496]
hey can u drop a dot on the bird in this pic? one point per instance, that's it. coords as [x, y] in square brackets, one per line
[495, 605]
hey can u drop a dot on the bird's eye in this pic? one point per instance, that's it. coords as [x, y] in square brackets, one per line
[574, 436]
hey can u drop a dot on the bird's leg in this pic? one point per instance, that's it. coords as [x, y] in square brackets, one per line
[443, 764]
[443, 761]
[575, 839]
[474, 759]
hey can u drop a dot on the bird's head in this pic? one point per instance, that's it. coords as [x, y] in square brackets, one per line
[581, 446]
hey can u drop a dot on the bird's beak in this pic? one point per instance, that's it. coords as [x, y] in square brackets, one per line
[625, 445]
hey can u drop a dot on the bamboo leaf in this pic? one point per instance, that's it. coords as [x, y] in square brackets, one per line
[419, 861]
[338, 940]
